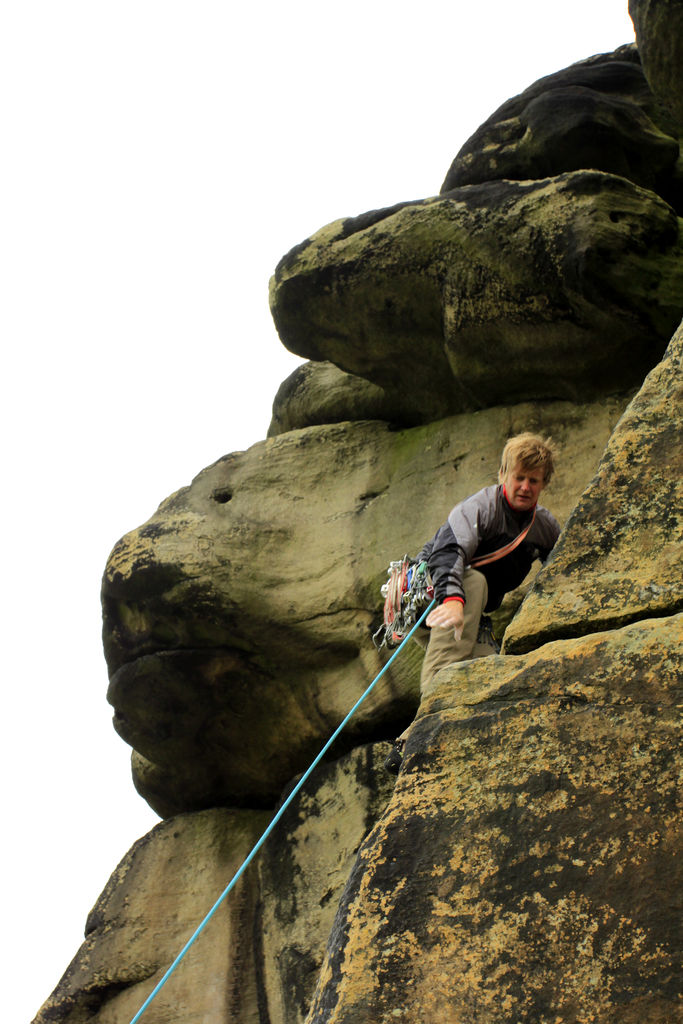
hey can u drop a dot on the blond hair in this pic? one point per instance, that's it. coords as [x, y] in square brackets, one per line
[529, 451]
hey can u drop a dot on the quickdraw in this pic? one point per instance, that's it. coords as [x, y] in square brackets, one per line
[407, 593]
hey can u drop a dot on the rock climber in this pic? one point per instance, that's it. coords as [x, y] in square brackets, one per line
[484, 550]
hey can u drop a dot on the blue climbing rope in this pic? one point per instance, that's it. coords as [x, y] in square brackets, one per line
[248, 859]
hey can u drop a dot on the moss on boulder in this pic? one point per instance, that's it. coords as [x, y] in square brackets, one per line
[568, 287]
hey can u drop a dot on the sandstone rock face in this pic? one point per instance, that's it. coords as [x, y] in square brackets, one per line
[659, 35]
[302, 875]
[599, 114]
[151, 906]
[318, 393]
[526, 868]
[492, 294]
[259, 956]
[244, 608]
[619, 557]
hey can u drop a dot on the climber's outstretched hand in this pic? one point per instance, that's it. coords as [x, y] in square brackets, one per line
[450, 615]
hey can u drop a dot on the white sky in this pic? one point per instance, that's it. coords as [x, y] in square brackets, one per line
[159, 158]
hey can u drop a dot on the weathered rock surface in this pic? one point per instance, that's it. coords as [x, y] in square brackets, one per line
[659, 35]
[259, 956]
[303, 871]
[150, 907]
[243, 609]
[526, 868]
[599, 113]
[491, 294]
[619, 557]
[318, 393]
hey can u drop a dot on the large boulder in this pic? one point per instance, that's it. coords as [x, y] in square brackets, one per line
[497, 293]
[659, 35]
[259, 956]
[619, 557]
[527, 866]
[238, 620]
[317, 393]
[599, 113]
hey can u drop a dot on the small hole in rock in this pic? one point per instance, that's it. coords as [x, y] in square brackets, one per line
[222, 495]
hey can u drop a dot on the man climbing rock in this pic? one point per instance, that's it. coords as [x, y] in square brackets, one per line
[484, 550]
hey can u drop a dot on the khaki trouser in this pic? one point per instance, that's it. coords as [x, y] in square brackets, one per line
[443, 649]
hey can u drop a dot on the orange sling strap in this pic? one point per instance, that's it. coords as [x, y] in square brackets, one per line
[502, 552]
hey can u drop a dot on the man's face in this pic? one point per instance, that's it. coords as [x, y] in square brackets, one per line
[523, 487]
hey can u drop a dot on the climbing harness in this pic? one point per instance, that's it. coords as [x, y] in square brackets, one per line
[406, 594]
[283, 807]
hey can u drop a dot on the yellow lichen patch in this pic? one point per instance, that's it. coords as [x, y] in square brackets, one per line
[528, 840]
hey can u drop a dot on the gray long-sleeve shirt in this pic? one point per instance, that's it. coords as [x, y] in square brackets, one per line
[478, 526]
